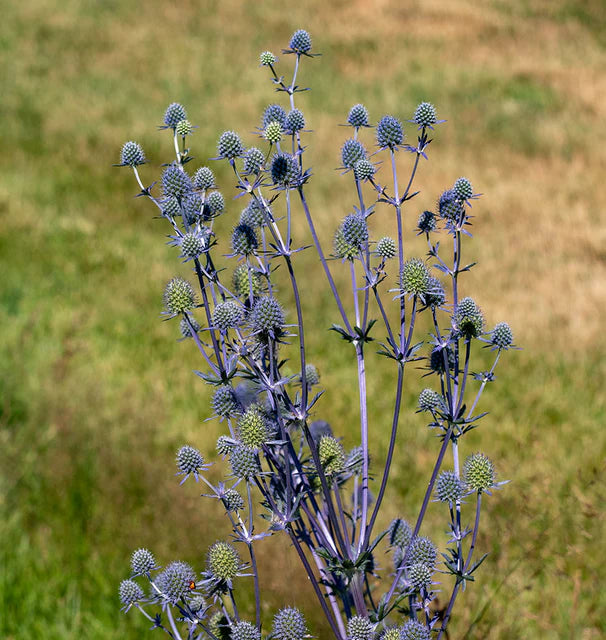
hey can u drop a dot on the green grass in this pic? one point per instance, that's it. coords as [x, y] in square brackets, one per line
[96, 395]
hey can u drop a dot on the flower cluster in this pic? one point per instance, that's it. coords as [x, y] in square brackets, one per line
[286, 472]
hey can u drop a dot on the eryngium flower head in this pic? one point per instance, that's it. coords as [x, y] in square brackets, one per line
[230, 146]
[501, 336]
[184, 128]
[132, 154]
[430, 400]
[344, 249]
[175, 182]
[244, 240]
[285, 170]
[204, 178]
[245, 280]
[352, 151]
[267, 316]
[355, 230]
[273, 112]
[192, 206]
[311, 375]
[253, 430]
[174, 581]
[419, 576]
[253, 215]
[224, 401]
[359, 628]
[300, 41]
[358, 116]
[436, 296]
[225, 445]
[170, 207]
[478, 472]
[232, 500]
[267, 58]
[468, 318]
[142, 561]
[295, 121]
[422, 551]
[245, 631]
[414, 630]
[214, 205]
[400, 533]
[189, 460]
[436, 359]
[174, 114]
[223, 561]
[218, 624]
[391, 634]
[254, 159]
[389, 132]
[273, 132]
[228, 315]
[332, 455]
[364, 169]
[289, 624]
[449, 487]
[427, 222]
[386, 248]
[186, 329]
[192, 244]
[425, 115]
[415, 278]
[463, 189]
[450, 206]
[179, 296]
[244, 462]
[130, 593]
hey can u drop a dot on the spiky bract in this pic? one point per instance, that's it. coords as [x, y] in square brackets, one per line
[179, 296]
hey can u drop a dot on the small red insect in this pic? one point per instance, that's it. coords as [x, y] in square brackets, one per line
[192, 585]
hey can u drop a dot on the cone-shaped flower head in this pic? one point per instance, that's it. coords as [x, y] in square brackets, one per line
[230, 146]
[253, 215]
[449, 487]
[244, 241]
[501, 336]
[463, 189]
[223, 561]
[430, 400]
[228, 315]
[189, 460]
[332, 455]
[414, 630]
[391, 634]
[253, 430]
[232, 500]
[289, 624]
[254, 159]
[132, 154]
[400, 533]
[427, 222]
[422, 551]
[389, 132]
[204, 178]
[386, 248]
[273, 112]
[436, 296]
[425, 114]
[174, 114]
[224, 401]
[300, 41]
[179, 296]
[184, 326]
[273, 132]
[244, 280]
[312, 376]
[359, 628]
[295, 121]
[450, 206]
[285, 170]
[415, 278]
[142, 561]
[419, 576]
[245, 631]
[352, 151]
[267, 58]
[130, 593]
[364, 169]
[174, 582]
[478, 472]
[244, 462]
[267, 316]
[184, 128]
[469, 319]
[358, 116]
[175, 182]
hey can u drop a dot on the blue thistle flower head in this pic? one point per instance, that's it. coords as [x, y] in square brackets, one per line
[224, 402]
[142, 562]
[179, 296]
[419, 576]
[364, 169]
[132, 154]
[332, 455]
[170, 207]
[247, 281]
[423, 551]
[351, 152]
[425, 115]
[174, 582]
[185, 329]
[273, 112]
[358, 116]
[386, 248]
[175, 112]
[232, 500]
[393, 633]
[449, 487]
[267, 58]
[430, 400]
[468, 318]
[450, 207]
[415, 278]
[228, 315]
[225, 445]
[192, 206]
[253, 215]
[360, 628]
[204, 178]
[267, 317]
[285, 171]
[501, 337]
[192, 244]
[175, 182]
[436, 359]
[214, 205]
[427, 222]
[244, 462]
[245, 631]
[273, 132]
[479, 472]
[414, 630]
[184, 128]
[436, 295]
[223, 561]
[389, 132]
[400, 533]
[289, 624]
[253, 429]
[254, 159]
[244, 241]
[130, 593]
[230, 146]
[300, 42]
[463, 189]
[355, 230]
[295, 121]
[190, 462]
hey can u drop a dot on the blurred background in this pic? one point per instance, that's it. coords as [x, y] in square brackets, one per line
[96, 394]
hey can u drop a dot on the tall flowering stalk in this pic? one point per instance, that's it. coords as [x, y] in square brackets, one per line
[286, 472]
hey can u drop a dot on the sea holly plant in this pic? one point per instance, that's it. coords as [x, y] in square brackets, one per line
[286, 473]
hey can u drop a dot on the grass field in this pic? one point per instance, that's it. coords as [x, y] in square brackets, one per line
[96, 395]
